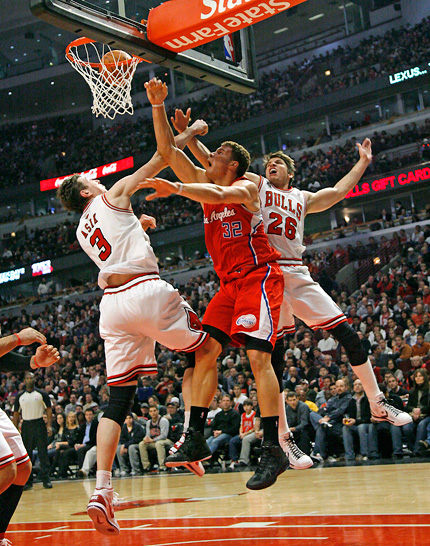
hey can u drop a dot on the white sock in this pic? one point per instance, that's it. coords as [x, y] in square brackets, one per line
[103, 479]
[187, 420]
[365, 374]
[283, 427]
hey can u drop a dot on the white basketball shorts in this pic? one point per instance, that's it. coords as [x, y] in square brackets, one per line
[134, 316]
[11, 446]
[305, 299]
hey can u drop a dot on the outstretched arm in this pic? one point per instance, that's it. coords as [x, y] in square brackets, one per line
[196, 147]
[184, 169]
[121, 192]
[242, 191]
[326, 198]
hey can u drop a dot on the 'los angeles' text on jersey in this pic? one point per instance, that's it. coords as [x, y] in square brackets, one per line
[236, 240]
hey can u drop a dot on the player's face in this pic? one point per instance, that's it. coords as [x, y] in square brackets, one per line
[94, 186]
[219, 162]
[277, 172]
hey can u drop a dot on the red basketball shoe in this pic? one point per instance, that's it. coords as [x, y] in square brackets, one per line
[100, 509]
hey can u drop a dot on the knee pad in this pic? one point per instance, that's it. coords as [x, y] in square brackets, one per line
[349, 339]
[120, 401]
[278, 362]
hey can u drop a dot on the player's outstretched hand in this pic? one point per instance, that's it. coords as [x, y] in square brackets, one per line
[147, 222]
[365, 150]
[156, 91]
[30, 335]
[46, 355]
[200, 127]
[163, 188]
[180, 121]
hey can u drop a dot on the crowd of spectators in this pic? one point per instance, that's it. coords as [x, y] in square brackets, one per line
[34, 245]
[325, 401]
[374, 57]
[66, 145]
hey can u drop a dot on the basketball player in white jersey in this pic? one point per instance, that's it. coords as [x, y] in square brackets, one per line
[284, 210]
[137, 309]
[15, 464]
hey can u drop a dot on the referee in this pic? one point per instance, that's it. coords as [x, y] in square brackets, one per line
[32, 402]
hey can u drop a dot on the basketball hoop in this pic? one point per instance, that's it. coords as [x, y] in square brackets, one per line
[109, 81]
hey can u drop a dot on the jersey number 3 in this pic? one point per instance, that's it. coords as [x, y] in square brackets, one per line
[97, 239]
[275, 228]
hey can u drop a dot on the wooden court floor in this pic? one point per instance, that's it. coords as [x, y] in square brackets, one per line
[346, 506]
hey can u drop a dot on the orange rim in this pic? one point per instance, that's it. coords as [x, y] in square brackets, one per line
[82, 41]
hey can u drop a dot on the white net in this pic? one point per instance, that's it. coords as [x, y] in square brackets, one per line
[109, 74]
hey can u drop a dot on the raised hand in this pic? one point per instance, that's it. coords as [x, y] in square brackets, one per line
[30, 335]
[156, 91]
[200, 127]
[163, 188]
[46, 355]
[180, 121]
[147, 222]
[365, 150]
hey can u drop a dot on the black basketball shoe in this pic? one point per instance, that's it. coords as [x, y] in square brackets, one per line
[193, 450]
[272, 463]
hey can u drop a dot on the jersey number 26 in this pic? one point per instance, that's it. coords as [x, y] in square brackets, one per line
[276, 227]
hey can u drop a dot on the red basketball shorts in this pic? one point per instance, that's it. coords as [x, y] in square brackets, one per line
[248, 306]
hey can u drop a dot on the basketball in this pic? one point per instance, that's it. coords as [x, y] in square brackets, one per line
[114, 66]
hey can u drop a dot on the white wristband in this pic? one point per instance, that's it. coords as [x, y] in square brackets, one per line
[158, 105]
[180, 189]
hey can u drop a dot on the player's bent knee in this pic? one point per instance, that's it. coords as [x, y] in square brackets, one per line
[120, 402]
[23, 472]
[7, 476]
[349, 339]
[209, 352]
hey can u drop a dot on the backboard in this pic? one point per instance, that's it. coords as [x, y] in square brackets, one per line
[227, 62]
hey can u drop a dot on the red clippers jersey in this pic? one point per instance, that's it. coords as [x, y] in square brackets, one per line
[236, 240]
[248, 421]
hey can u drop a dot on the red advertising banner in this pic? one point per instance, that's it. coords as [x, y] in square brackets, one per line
[97, 172]
[390, 182]
[179, 25]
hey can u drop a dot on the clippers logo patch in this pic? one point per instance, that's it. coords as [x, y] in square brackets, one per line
[247, 321]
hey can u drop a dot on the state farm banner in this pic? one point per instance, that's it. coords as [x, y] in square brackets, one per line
[179, 25]
[391, 182]
[96, 172]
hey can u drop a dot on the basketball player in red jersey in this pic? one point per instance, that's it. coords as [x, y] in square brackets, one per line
[284, 210]
[246, 309]
[137, 309]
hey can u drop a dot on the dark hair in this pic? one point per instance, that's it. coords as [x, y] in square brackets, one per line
[69, 193]
[289, 161]
[291, 394]
[247, 402]
[424, 373]
[239, 154]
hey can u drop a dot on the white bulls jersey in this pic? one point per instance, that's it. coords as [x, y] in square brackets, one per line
[284, 214]
[114, 239]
